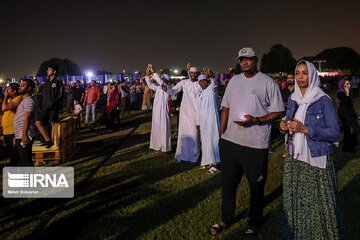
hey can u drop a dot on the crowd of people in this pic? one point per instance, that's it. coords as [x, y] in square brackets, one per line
[235, 142]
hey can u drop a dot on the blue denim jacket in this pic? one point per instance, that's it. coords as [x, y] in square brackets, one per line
[322, 122]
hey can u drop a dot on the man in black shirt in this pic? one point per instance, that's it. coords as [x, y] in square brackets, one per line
[290, 81]
[50, 104]
[78, 92]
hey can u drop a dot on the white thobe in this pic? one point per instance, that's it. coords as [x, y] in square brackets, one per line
[187, 148]
[208, 119]
[160, 138]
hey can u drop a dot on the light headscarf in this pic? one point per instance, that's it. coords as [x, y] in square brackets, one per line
[313, 93]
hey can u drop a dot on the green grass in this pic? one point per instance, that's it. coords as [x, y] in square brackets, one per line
[137, 195]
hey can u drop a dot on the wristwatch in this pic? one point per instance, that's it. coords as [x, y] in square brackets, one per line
[258, 122]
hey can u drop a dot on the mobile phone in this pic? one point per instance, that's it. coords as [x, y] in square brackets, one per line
[239, 121]
[149, 66]
[205, 69]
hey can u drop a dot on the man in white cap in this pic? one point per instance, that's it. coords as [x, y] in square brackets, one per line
[160, 138]
[207, 121]
[251, 102]
[187, 148]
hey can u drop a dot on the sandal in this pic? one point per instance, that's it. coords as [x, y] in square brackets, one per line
[218, 229]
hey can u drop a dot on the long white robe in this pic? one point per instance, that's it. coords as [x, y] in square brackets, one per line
[208, 119]
[187, 148]
[160, 138]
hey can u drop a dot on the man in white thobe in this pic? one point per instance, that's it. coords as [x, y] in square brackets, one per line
[187, 148]
[207, 120]
[160, 138]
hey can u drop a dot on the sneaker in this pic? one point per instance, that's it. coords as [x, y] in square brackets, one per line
[251, 232]
[49, 144]
[212, 170]
[178, 161]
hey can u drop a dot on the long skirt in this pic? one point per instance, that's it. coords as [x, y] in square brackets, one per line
[310, 202]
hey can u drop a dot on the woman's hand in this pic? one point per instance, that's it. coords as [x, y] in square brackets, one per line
[284, 126]
[296, 126]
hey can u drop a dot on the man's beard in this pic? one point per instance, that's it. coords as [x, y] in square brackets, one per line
[290, 83]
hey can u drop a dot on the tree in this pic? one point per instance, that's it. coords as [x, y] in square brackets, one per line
[66, 66]
[340, 58]
[184, 73]
[166, 71]
[236, 69]
[278, 59]
[307, 58]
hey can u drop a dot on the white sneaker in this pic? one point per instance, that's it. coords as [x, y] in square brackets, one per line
[213, 170]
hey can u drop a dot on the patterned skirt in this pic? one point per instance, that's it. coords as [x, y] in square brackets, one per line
[310, 202]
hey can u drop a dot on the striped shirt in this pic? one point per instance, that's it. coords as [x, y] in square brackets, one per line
[27, 105]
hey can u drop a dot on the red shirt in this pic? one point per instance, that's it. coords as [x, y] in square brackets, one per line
[91, 95]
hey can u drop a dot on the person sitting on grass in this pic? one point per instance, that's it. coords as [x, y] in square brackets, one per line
[207, 121]
[77, 113]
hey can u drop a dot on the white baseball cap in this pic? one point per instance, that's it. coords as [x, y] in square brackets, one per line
[246, 52]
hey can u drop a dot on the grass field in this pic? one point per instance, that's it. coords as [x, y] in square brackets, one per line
[122, 191]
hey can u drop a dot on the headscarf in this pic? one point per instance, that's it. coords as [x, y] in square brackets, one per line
[313, 93]
[340, 89]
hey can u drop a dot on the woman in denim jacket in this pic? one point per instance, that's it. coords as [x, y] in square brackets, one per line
[310, 199]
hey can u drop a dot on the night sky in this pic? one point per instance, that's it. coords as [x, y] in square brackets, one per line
[117, 35]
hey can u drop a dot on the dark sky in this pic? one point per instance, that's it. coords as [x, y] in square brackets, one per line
[116, 35]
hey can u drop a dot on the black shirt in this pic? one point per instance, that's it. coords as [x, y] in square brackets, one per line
[77, 93]
[346, 108]
[285, 93]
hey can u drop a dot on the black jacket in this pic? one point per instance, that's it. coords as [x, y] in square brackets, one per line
[52, 94]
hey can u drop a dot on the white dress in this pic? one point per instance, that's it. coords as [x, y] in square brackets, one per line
[160, 138]
[187, 148]
[208, 120]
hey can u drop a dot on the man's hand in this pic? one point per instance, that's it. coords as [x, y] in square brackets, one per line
[150, 70]
[249, 120]
[25, 140]
[188, 66]
[6, 93]
[14, 141]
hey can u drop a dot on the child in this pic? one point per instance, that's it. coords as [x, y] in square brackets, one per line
[207, 121]
[77, 113]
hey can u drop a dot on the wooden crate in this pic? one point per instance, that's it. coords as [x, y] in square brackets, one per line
[64, 144]
[58, 155]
